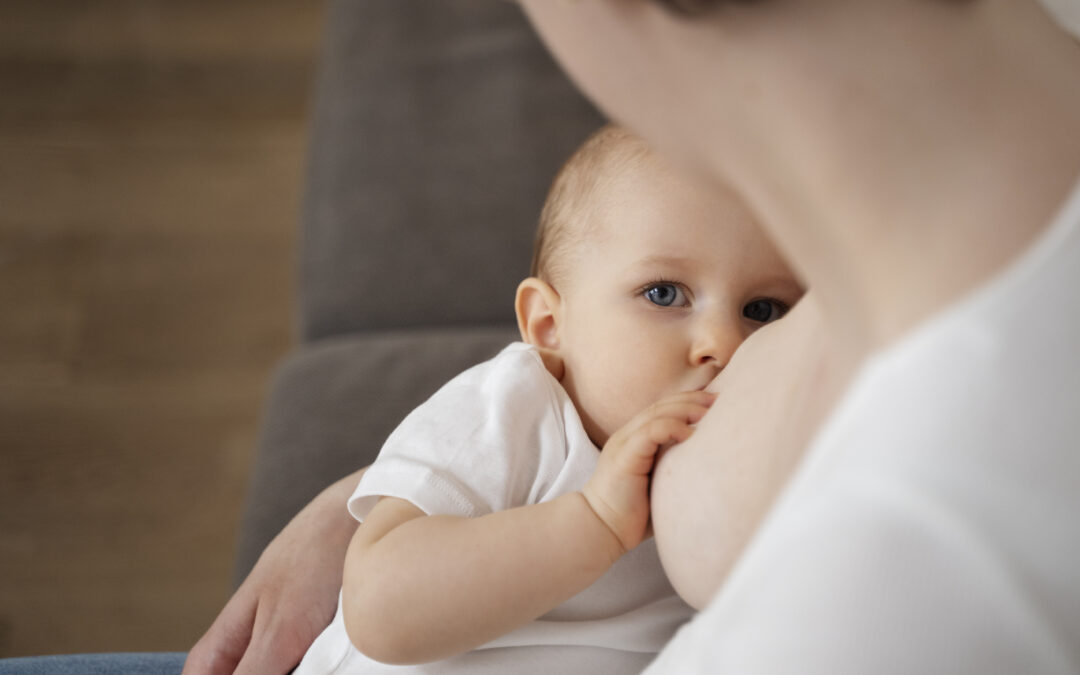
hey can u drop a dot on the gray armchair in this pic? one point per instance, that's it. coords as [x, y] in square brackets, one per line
[436, 130]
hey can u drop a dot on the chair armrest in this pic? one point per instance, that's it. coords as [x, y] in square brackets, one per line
[331, 406]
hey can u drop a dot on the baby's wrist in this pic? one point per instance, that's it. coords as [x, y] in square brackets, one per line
[603, 516]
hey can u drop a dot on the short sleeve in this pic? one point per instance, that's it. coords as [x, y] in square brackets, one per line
[482, 443]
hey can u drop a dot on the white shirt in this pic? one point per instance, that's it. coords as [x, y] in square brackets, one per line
[934, 526]
[500, 435]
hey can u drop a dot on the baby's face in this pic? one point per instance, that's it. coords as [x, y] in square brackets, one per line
[668, 281]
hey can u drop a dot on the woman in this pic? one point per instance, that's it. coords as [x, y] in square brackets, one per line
[909, 157]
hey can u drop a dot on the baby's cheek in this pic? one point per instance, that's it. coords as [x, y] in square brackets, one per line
[612, 421]
[621, 389]
[626, 405]
[604, 412]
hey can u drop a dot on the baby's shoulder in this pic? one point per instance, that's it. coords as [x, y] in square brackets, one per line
[515, 374]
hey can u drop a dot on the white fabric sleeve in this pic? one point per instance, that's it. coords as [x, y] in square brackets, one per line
[475, 446]
[870, 578]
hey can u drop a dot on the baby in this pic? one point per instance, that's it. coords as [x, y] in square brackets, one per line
[497, 537]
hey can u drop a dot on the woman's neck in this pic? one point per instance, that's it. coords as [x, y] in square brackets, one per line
[916, 191]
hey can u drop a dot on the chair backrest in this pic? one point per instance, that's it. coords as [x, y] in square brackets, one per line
[436, 131]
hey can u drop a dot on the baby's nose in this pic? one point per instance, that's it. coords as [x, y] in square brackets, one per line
[715, 343]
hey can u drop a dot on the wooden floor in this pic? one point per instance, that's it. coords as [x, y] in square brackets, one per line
[150, 168]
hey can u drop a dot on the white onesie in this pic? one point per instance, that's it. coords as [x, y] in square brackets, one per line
[500, 435]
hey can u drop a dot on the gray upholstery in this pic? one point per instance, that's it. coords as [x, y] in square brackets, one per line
[437, 128]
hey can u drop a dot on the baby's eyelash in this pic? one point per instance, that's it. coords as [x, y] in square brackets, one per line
[658, 282]
[672, 294]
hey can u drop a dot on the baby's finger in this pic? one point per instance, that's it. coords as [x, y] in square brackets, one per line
[690, 407]
[691, 398]
[666, 430]
[702, 397]
[637, 454]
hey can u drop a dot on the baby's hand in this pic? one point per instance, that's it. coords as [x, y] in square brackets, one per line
[618, 490]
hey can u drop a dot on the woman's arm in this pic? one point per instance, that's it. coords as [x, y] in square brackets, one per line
[289, 597]
[710, 493]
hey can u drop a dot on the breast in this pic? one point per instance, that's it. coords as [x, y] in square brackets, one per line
[710, 493]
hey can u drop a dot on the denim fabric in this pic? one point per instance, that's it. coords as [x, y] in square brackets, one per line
[96, 664]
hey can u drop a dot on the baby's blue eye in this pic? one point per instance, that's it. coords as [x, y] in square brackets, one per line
[665, 295]
[764, 310]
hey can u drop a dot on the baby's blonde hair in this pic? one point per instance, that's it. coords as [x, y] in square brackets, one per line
[567, 213]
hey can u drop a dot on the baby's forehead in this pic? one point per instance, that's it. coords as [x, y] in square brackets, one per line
[591, 184]
[651, 211]
[638, 185]
[609, 177]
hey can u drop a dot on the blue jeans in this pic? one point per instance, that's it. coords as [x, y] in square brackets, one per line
[96, 664]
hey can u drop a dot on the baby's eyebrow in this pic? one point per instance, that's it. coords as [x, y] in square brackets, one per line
[667, 260]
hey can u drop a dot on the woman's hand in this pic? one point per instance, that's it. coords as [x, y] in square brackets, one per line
[289, 597]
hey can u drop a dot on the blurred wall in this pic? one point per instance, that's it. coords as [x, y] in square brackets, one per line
[150, 167]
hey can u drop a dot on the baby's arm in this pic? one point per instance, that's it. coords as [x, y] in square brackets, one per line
[420, 588]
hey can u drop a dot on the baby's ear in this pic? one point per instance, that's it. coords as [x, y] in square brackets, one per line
[537, 306]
